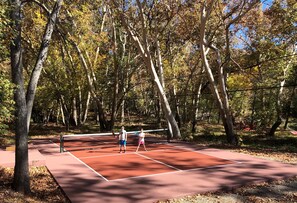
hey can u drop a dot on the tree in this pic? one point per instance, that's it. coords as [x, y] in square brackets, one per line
[282, 16]
[269, 36]
[42, 55]
[207, 43]
[24, 103]
[21, 171]
[143, 43]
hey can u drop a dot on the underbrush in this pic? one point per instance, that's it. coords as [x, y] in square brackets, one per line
[214, 136]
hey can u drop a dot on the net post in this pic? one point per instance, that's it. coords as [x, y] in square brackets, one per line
[61, 144]
[168, 137]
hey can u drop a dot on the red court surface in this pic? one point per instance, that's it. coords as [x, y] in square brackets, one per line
[164, 172]
[125, 166]
[112, 165]
[100, 153]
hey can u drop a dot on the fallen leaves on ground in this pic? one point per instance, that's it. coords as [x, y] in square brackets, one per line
[43, 187]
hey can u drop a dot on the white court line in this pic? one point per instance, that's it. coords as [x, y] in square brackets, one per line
[158, 174]
[101, 176]
[181, 147]
[160, 162]
[171, 172]
[106, 155]
[151, 175]
[89, 167]
[119, 154]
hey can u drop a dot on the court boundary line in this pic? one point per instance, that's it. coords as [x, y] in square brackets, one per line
[160, 162]
[176, 171]
[169, 144]
[98, 174]
[120, 154]
[157, 174]
[89, 167]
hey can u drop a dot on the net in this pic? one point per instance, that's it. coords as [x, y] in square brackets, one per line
[75, 142]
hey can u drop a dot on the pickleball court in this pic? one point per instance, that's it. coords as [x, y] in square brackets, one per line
[101, 154]
[92, 170]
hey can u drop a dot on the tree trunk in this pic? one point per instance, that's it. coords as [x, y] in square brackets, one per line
[101, 113]
[143, 48]
[161, 77]
[195, 108]
[275, 126]
[176, 105]
[279, 104]
[116, 77]
[123, 111]
[65, 113]
[158, 112]
[21, 179]
[62, 113]
[86, 109]
[74, 112]
[102, 117]
[80, 107]
[253, 110]
[58, 114]
[279, 100]
[41, 58]
[221, 101]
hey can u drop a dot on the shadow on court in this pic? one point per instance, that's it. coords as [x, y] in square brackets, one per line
[82, 183]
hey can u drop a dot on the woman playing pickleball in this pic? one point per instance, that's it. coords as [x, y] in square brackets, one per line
[141, 140]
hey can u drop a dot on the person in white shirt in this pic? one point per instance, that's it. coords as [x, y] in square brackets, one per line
[123, 137]
[141, 136]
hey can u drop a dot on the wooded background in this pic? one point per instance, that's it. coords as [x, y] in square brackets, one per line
[179, 63]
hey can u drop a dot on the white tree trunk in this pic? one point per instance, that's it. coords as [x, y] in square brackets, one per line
[278, 121]
[222, 99]
[161, 77]
[143, 48]
[87, 104]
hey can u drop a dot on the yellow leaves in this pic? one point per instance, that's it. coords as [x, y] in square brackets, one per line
[39, 19]
[82, 19]
[239, 81]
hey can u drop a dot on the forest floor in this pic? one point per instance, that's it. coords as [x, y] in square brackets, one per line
[282, 147]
